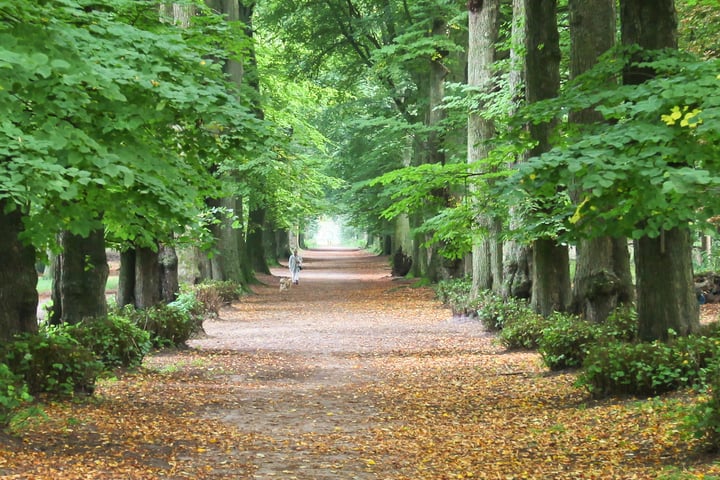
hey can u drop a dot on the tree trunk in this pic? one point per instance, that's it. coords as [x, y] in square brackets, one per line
[602, 276]
[270, 246]
[483, 35]
[80, 278]
[436, 266]
[169, 276]
[148, 289]
[282, 240]
[665, 293]
[255, 242]
[517, 256]
[603, 279]
[126, 278]
[18, 278]
[551, 274]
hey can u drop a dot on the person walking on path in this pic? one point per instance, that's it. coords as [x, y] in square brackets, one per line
[295, 265]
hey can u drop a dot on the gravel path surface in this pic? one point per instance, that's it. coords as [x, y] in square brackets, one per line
[313, 353]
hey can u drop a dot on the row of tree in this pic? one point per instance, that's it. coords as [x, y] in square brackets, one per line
[489, 137]
[479, 138]
[139, 126]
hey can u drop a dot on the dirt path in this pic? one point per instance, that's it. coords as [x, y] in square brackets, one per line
[319, 349]
[350, 375]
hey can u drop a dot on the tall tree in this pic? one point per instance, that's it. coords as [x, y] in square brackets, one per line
[517, 255]
[229, 261]
[602, 274]
[663, 263]
[483, 36]
[551, 271]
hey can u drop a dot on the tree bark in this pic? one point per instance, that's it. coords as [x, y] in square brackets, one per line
[147, 278]
[517, 256]
[602, 275]
[255, 240]
[169, 276]
[551, 277]
[126, 278]
[483, 35]
[663, 265]
[18, 278]
[81, 275]
[666, 295]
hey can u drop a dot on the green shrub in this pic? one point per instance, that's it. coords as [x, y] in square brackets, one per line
[114, 339]
[565, 341]
[523, 331]
[648, 368]
[169, 325]
[621, 325]
[52, 362]
[13, 394]
[494, 311]
[455, 294]
[212, 295]
[704, 420]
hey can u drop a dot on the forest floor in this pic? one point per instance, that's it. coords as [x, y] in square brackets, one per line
[351, 375]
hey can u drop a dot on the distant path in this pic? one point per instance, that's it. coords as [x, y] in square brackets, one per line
[346, 302]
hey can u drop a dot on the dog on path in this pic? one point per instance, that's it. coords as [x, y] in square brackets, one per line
[285, 283]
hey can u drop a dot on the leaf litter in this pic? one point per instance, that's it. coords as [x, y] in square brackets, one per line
[351, 375]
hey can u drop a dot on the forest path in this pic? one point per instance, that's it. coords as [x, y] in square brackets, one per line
[318, 352]
[351, 375]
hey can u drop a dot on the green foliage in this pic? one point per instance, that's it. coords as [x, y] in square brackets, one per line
[647, 368]
[454, 293]
[523, 331]
[704, 420]
[621, 325]
[645, 169]
[566, 340]
[115, 339]
[494, 311]
[88, 91]
[52, 362]
[169, 325]
[13, 394]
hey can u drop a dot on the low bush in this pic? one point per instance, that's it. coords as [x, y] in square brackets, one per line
[523, 331]
[565, 342]
[647, 368]
[115, 339]
[621, 325]
[212, 295]
[13, 394]
[455, 294]
[168, 325]
[52, 362]
[494, 311]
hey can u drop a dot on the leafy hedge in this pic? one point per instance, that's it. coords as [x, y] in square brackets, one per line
[51, 362]
[648, 368]
[61, 361]
[115, 339]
